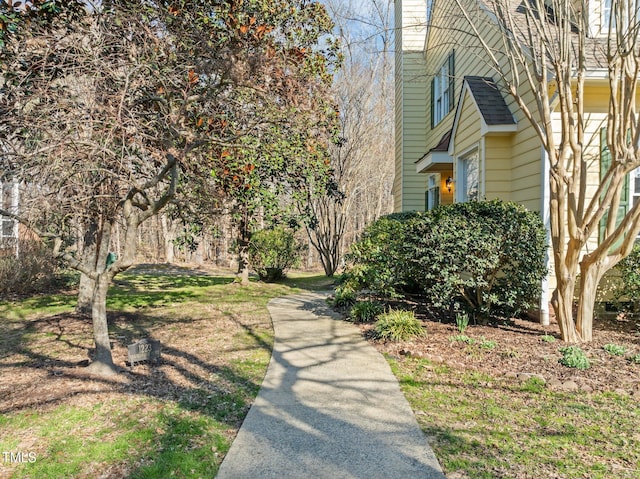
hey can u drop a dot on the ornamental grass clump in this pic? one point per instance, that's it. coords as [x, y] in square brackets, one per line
[364, 311]
[398, 326]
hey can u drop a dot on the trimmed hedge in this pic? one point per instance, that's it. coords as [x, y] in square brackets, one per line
[488, 256]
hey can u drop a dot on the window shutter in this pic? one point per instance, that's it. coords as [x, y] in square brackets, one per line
[433, 92]
[436, 197]
[452, 80]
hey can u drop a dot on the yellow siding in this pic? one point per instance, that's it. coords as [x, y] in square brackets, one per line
[497, 160]
[411, 110]
[468, 132]
[517, 173]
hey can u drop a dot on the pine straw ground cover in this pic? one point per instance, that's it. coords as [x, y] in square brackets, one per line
[496, 403]
[176, 418]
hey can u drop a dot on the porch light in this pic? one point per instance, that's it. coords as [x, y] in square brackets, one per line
[449, 183]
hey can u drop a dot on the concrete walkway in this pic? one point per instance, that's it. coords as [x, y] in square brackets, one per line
[329, 407]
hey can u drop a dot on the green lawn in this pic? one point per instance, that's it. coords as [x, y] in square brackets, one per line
[487, 427]
[175, 419]
[178, 419]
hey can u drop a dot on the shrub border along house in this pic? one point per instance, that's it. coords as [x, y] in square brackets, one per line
[486, 257]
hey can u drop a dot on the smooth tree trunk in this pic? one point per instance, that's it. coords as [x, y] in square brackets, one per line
[85, 294]
[102, 360]
[243, 264]
[89, 255]
[590, 275]
[562, 301]
[168, 233]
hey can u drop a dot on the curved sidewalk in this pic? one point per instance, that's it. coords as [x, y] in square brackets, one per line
[329, 407]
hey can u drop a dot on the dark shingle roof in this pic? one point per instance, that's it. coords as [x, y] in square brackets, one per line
[490, 101]
[595, 49]
[443, 144]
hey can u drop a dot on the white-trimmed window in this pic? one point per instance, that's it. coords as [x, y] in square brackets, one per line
[607, 14]
[635, 186]
[432, 196]
[8, 202]
[469, 177]
[442, 91]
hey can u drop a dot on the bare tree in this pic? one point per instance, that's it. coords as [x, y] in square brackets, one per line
[362, 158]
[548, 48]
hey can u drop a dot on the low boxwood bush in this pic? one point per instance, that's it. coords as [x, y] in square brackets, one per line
[272, 252]
[398, 326]
[364, 311]
[574, 357]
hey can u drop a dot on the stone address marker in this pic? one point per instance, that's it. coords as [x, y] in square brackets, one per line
[144, 350]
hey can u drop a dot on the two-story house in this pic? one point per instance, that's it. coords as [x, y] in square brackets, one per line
[459, 137]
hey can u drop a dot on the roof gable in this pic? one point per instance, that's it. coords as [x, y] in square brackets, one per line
[495, 115]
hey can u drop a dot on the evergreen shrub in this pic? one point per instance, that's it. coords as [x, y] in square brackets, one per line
[377, 261]
[629, 268]
[486, 255]
[272, 252]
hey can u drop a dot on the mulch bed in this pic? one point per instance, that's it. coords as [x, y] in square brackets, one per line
[520, 352]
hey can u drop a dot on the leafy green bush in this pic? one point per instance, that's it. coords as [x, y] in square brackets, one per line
[377, 261]
[488, 255]
[272, 252]
[635, 359]
[398, 326]
[364, 311]
[629, 268]
[614, 349]
[574, 357]
[547, 338]
[344, 296]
